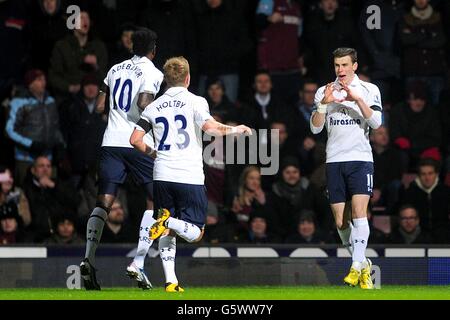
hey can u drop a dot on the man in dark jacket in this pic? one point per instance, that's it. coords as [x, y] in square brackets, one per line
[264, 107]
[423, 40]
[83, 128]
[48, 198]
[382, 46]
[33, 124]
[293, 193]
[48, 25]
[432, 201]
[329, 29]
[415, 127]
[222, 40]
[74, 56]
[173, 23]
[409, 230]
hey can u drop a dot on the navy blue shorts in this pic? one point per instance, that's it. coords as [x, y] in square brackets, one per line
[345, 179]
[117, 162]
[187, 202]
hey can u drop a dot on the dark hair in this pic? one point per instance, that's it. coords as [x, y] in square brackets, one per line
[309, 81]
[144, 41]
[262, 71]
[343, 52]
[425, 162]
[408, 206]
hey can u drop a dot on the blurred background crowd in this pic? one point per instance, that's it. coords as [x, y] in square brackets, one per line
[257, 62]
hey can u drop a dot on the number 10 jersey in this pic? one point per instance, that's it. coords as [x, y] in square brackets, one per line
[126, 80]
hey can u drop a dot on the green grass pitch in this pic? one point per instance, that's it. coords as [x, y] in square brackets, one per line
[236, 293]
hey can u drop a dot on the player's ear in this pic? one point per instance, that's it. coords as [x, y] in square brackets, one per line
[355, 66]
[187, 81]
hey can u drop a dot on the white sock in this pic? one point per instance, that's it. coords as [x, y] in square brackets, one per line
[94, 232]
[185, 230]
[360, 237]
[167, 250]
[144, 240]
[344, 234]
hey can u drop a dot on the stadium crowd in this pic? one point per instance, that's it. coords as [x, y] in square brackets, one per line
[256, 65]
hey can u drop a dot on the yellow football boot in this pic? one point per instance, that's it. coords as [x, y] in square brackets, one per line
[352, 279]
[158, 227]
[365, 279]
[173, 287]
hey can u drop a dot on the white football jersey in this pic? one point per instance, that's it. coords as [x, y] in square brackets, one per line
[177, 118]
[125, 81]
[348, 131]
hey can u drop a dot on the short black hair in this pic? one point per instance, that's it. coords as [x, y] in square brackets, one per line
[408, 206]
[343, 52]
[144, 41]
[428, 162]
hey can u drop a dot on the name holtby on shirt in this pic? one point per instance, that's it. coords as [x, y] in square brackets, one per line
[171, 104]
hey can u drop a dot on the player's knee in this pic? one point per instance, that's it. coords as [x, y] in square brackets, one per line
[103, 205]
[341, 225]
[200, 236]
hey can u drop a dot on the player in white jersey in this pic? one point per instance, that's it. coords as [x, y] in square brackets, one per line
[348, 108]
[177, 119]
[130, 86]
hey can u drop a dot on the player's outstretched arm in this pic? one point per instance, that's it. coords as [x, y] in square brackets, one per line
[215, 128]
[137, 141]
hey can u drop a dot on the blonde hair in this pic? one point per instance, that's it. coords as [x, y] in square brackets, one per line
[176, 70]
[242, 182]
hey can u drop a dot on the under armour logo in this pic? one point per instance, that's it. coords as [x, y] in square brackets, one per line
[362, 241]
[91, 230]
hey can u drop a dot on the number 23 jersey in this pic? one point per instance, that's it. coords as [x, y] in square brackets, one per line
[177, 118]
[126, 80]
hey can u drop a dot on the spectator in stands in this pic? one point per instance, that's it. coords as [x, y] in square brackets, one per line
[250, 198]
[330, 28]
[307, 140]
[172, 20]
[389, 166]
[286, 142]
[10, 193]
[123, 48]
[431, 199]
[222, 40]
[11, 225]
[382, 46]
[279, 26]
[33, 124]
[423, 40]
[74, 56]
[49, 26]
[258, 231]
[409, 230]
[264, 107]
[217, 230]
[415, 127]
[219, 104]
[65, 232]
[117, 230]
[14, 37]
[306, 230]
[83, 128]
[293, 193]
[49, 198]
